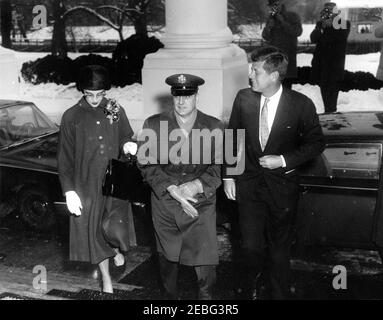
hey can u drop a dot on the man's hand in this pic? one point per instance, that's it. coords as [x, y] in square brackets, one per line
[327, 23]
[191, 189]
[271, 162]
[229, 188]
[130, 147]
[176, 193]
[279, 17]
[271, 22]
[73, 203]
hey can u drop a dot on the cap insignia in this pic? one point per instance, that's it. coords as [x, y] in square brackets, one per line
[182, 79]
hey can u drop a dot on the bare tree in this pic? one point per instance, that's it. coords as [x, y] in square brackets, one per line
[6, 23]
[246, 11]
[115, 15]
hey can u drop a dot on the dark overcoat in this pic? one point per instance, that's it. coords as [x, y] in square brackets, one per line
[87, 141]
[330, 54]
[284, 35]
[179, 237]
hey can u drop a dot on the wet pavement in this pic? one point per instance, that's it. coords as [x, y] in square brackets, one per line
[22, 248]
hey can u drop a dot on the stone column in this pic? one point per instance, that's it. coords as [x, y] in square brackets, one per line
[197, 41]
[198, 24]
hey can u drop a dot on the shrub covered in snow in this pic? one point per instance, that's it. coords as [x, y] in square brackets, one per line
[352, 80]
[125, 66]
[128, 58]
[51, 69]
[48, 69]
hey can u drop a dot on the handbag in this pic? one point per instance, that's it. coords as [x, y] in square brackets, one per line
[123, 180]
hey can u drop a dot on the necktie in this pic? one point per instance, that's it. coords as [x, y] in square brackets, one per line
[264, 125]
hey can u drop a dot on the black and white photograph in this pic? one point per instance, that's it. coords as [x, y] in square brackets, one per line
[172, 151]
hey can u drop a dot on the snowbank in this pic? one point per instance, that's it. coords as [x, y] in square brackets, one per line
[354, 100]
[96, 33]
[55, 99]
[366, 62]
[105, 33]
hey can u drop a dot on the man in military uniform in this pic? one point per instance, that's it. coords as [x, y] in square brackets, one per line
[183, 192]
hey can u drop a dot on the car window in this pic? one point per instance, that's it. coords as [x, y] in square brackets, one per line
[347, 160]
[23, 122]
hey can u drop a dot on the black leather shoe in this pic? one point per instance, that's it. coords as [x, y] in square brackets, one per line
[246, 294]
[169, 296]
[251, 292]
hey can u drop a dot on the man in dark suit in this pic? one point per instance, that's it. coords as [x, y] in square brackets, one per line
[282, 132]
[183, 174]
[282, 30]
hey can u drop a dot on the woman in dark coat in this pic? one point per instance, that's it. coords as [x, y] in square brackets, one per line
[89, 137]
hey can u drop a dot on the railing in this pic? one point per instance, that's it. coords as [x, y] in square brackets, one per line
[78, 45]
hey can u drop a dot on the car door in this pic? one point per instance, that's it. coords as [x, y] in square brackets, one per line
[339, 195]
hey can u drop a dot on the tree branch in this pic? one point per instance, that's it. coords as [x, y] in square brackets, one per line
[124, 10]
[91, 11]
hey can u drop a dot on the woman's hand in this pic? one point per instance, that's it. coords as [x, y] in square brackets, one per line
[73, 203]
[130, 148]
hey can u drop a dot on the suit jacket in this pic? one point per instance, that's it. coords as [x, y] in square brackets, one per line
[179, 237]
[296, 134]
[284, 35]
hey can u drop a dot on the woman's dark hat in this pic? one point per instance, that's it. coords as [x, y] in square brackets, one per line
[184, 84]
[93, 77]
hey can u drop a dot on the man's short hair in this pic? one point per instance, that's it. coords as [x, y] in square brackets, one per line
[275, 60]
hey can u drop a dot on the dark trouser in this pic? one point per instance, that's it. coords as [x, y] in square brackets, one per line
[266, 231]
[169, 273]
[330, 92]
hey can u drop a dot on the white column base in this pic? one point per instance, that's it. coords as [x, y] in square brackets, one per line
[225, 71]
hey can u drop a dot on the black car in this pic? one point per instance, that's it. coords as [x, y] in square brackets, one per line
[341, 200]
[28, 168]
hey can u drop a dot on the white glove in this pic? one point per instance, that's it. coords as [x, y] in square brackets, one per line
[130, 147]
[73, 203]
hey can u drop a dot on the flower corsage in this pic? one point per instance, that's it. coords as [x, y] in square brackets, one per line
[112, 111]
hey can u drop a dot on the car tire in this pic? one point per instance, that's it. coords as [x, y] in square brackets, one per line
[36, 209]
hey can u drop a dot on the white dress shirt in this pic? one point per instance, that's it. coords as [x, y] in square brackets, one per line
[272, 107]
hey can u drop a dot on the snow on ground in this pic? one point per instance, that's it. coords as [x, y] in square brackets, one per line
[55, 99]
[249, 31]
[354, 100]
[105, 33]
[366, 62]
[307, 29]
